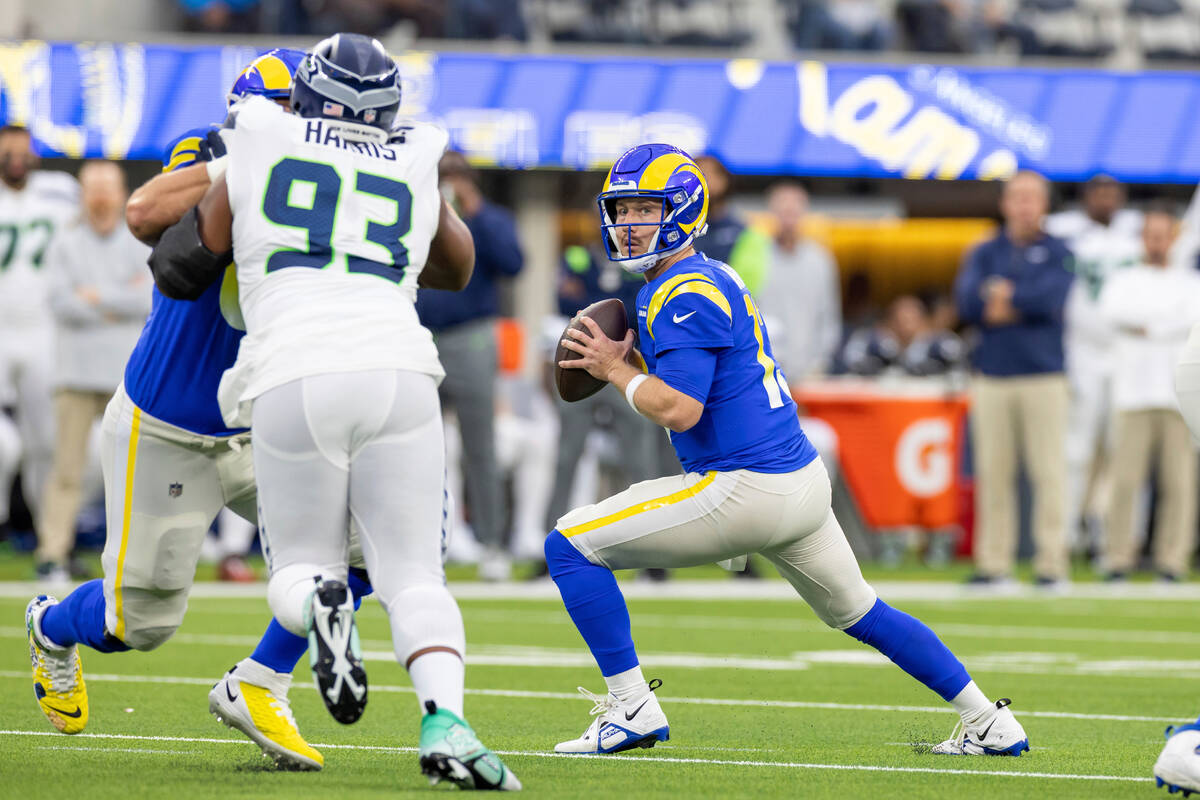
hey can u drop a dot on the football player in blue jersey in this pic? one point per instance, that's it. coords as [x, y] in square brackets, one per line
[753, 482]
[170, 465]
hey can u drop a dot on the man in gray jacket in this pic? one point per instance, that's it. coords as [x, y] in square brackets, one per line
[100, 296]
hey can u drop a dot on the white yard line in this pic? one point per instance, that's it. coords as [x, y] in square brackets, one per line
[646, 758]
[701, 701]
[124, 750]
[998, 663]
[750, 624]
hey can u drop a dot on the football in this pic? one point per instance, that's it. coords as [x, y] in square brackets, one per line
[576, 384]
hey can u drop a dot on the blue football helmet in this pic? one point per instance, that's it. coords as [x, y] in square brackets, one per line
[269, 75]
[348, 77]
[665, 174]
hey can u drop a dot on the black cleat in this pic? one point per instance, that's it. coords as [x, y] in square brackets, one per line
[334, 652]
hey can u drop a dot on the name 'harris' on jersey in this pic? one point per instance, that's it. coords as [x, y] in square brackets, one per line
[331, 230]
[749, 419]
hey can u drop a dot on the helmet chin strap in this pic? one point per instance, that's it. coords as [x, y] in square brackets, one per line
[639, 265]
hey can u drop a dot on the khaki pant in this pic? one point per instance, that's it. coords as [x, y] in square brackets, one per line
[1139, 436]
[74, 411]
[1021, 417]
[690, 519]
[163, 487]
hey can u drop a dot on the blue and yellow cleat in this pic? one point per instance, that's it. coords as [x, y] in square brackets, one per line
[57, 673]
[1178, 765]
[450, 751]
[620, 725]
[998, 734]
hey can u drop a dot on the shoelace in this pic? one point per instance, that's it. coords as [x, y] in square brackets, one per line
[62, 671]
[60, 668]
[603, 702]
[959, 734]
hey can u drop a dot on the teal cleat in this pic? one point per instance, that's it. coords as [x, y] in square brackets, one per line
[451, 751]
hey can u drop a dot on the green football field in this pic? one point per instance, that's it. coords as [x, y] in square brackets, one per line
[763, 700]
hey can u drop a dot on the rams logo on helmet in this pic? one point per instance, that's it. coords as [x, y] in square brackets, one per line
[668, 176]
[269, 75]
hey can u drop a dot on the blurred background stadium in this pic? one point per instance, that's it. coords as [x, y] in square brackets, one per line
[862, 139]
[856, 152]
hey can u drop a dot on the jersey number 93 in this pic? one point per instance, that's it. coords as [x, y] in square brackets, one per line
[319, 216]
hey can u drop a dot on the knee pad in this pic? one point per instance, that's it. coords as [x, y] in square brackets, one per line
[151, 617]
[561, 555]
[289, 591]
[424, 616]
[848, 607]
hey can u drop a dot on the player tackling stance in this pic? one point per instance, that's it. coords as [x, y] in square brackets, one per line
[331, 222]
[170, 464]
[753, 483]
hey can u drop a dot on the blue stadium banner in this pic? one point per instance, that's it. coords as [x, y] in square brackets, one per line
[802, 118]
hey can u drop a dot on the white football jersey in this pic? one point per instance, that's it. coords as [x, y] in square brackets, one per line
[330, 234]
[1099, 250]
[29, 219]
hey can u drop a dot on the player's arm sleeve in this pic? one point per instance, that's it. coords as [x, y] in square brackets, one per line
[692, 313]
[688, 370]
[1043, 295]
[967, 288]
[182, 266]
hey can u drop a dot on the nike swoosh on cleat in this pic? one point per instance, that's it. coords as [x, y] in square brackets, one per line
[983, 735]
[232, 697]
[76, 713]
[629, 716]
[678, 318]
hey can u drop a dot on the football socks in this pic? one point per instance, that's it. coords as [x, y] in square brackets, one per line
[913, 647]
[439, 676]
[79, 619]
[595, 604]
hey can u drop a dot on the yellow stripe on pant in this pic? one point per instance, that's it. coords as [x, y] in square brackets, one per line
[648, 505]
[130, 464]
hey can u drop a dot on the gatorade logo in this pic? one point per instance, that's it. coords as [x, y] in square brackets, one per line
[924, 463]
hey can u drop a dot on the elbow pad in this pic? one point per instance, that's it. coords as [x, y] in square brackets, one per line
[182, 266]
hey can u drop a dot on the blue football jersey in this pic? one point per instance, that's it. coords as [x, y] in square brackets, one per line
[186, 346]
[749, 420]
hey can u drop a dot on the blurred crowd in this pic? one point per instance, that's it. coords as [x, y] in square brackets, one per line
[1158, 29]
[1064, 326]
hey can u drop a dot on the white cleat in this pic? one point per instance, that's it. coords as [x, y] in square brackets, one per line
[998, 734]
[1178, 765]
[258, 707]
[620, 725]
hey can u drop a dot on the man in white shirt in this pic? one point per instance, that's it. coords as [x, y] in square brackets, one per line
[1150, 308]
[99, 294]
[801, 294]
[1104, 237]
[34, 204]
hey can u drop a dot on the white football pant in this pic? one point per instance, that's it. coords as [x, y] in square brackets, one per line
[363, 446]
